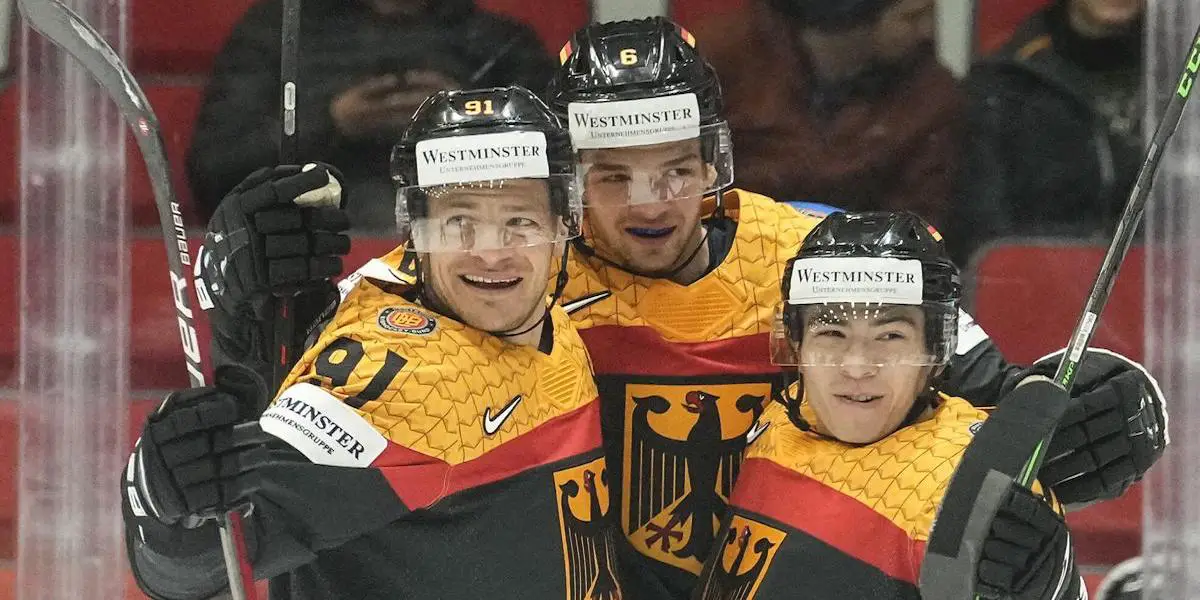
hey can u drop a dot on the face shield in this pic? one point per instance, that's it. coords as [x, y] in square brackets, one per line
[867, 312]
[646, 151]
[486, 192]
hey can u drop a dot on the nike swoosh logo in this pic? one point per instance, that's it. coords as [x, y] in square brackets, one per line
[492, 425]
[756, 431]
[584, 302]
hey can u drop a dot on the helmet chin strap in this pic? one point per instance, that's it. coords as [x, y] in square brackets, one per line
[560, 284]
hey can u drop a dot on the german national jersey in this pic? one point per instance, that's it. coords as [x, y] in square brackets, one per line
[812, 517]
[683, 372]
[450, 464]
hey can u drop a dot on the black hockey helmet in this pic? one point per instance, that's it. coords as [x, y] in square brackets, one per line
[480, 137]
[860, 265]
[641, 83]
[483, 139]
[892, 244]
[634, 60]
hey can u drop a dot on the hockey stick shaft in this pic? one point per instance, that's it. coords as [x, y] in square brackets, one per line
[284, 325]
[1135, 206]
[69, 31]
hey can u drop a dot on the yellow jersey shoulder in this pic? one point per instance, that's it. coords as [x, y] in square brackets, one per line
[901, 477]
[436, 386]
[736, 298]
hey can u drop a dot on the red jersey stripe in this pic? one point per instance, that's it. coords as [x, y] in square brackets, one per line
[421, 480]
[610, 347]
[818, 510]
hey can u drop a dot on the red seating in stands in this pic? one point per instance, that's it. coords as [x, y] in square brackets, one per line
[553, 25]
[8, 309]
[8, 584]
[176, 107]
[9, 139]
[164, 40]
[689, 12]
[996, 20]
[155, 351]
[156, 356]
[138, 409]
[363, 249]
[1109, 532]
[1092, 580]
[1028, 298]
[8, 479]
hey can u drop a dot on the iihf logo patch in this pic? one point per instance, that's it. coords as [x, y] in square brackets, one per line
[406, 320]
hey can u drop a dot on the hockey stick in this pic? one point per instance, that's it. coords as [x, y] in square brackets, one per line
[1012, 442]
[285, 327]
[69, 31]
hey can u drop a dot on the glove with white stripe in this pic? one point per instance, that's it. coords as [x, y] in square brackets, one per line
[198, 453]
[280, 231]
[1027, 554]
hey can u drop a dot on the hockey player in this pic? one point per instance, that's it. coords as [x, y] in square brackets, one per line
[838, 495]
[441, 439]
[674, 286]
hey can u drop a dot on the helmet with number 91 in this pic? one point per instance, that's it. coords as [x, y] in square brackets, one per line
[485, 192]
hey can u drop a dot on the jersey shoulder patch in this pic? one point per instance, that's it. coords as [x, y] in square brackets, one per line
[970, 334]
[322, 427]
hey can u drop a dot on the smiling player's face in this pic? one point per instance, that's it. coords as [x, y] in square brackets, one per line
[504, 246]
[644, 203]
[861, 370]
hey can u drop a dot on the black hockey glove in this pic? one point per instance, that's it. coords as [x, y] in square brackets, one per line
[279, 232]
[1114, 430]
[199, 452]
[1027, 554]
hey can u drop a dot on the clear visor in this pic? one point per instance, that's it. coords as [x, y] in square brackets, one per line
[864, 334]
[494, 214]
[666, 172]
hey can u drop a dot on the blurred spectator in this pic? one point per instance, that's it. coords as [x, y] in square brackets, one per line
[1054, 126]
[365, 65]
[838, 101]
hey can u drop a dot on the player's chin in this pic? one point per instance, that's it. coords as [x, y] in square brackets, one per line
[655, 259]
[498, 309]
[858, 432]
